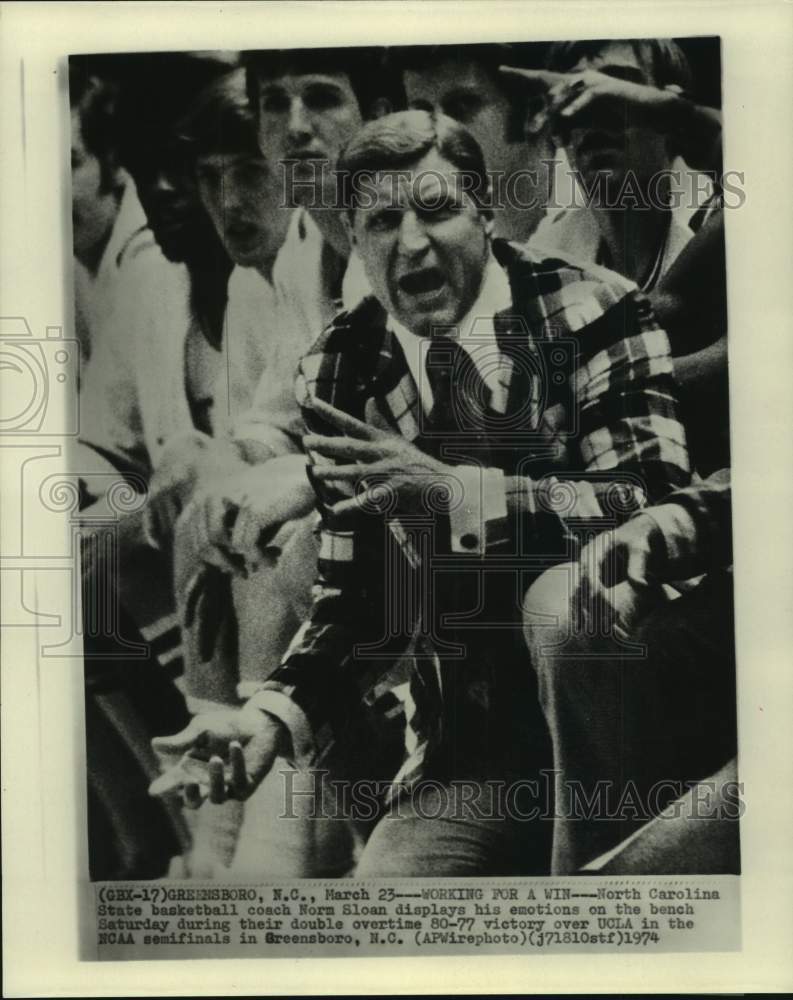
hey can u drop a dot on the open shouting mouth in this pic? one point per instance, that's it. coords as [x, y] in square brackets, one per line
[426, 282]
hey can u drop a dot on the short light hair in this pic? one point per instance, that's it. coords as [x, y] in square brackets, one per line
[399, 140]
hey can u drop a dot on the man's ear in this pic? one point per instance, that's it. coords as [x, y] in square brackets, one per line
[488, 224]
[114, 177]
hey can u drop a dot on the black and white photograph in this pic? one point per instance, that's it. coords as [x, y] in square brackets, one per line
[399, 494]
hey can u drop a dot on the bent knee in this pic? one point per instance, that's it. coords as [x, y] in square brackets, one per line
[547, 615]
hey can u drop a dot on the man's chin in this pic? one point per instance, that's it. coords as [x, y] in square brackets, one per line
[427, 321]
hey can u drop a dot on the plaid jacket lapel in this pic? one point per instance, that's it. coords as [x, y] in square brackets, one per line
[393, 395]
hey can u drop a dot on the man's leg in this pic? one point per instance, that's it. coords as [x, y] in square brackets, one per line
[446, 830]
[632, 718]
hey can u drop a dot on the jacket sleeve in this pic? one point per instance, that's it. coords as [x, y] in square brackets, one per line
[696, 523]
[628, 450]
[348, 640]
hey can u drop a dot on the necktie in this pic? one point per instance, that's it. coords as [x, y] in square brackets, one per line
[459, 393]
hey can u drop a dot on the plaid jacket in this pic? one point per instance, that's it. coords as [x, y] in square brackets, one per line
[430, 592]
[696, 523]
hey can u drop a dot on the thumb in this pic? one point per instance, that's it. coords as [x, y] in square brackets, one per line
[181, 742]
[169, 781]
[637, 566]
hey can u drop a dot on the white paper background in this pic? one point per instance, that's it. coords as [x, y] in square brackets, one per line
[42, 699]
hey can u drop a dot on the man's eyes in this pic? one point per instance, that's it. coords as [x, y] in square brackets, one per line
[387, 219]
[274, 100]
[463, 108]
[383, 220]
[440, 212]
[320, 98]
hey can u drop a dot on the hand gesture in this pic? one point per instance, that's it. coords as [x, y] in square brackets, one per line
[377, 461]
[634, 553]
[219, 755]
[187, 460]
[598, 98]
[230, 523]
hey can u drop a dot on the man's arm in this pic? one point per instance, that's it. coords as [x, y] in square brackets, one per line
[630, 449]
[690, 533]
[322, 677]
[696, 525]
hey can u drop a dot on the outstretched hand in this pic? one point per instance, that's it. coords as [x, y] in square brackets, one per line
[219, 755]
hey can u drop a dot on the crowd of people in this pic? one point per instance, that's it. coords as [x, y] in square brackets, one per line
[416, 362]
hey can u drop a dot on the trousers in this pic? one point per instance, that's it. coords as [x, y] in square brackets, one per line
[636, 716]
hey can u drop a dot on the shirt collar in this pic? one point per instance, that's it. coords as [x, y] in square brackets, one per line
[476, 328]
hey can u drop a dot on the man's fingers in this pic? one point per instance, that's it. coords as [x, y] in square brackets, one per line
[217, 781]
[637, 566]
[343, 447]
[342, 420]
[356, 503]
[168, 782]
[239, 773]
[346, 473]
[221, 558]
[543, 77]
[181, 742]
[577, 105]
[247, 531]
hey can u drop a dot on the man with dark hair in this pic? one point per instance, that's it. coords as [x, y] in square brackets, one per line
[441, 496]
[464, 82]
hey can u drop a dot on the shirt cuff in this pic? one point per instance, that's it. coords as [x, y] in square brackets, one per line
[280, 705]
[480, 519]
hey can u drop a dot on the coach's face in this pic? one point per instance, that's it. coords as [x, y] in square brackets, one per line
[424, 244]
[307, 117]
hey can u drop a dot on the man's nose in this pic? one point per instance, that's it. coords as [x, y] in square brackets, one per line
[299, 121]
[412, 234]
